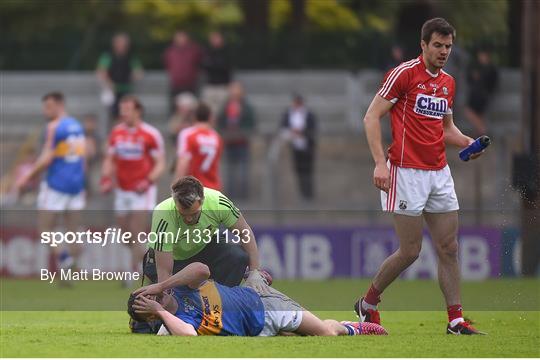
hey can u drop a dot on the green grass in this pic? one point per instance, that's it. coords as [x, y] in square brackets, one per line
[512, 322]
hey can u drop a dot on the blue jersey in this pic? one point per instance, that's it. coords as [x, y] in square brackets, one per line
[214, 309]
[66, 172]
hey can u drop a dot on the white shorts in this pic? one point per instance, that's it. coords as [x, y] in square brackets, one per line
[125, 201]
[54, 200]
[413, 191]
[281, 313]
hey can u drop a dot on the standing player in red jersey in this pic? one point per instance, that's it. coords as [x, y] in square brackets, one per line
[415, 182]
[135, 160]
[199, 150]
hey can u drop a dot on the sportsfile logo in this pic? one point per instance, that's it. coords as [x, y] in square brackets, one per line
[430, 106]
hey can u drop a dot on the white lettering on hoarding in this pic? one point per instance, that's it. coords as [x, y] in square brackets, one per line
[269, 255]
[425, 264]
[316, 257]
[474, 258]
[291, 257]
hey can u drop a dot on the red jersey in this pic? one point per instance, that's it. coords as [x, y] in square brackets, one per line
[203, 146]
[134, 150]
[420, 99]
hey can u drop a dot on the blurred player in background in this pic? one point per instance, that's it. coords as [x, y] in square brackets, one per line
[236, 311]
[416, 183]
[199, 150]
[134, 161]
[62, 190]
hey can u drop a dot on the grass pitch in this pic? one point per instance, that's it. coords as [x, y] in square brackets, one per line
[412, 313]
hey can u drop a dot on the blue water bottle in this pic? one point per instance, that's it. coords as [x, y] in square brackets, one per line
[477, 146]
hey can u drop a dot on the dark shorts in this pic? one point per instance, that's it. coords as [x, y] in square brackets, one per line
[227, 263]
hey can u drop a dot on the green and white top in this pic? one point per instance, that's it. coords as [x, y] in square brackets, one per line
[170, 232]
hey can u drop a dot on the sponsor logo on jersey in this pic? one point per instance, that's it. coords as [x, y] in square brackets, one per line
[188, 304]
[128, 150]
[431, 106]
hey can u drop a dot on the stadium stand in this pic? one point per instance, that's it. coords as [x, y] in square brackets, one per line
[343, 166]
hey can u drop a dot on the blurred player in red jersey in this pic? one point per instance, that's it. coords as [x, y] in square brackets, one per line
[134, 161]
[415, 182]
[199, 150]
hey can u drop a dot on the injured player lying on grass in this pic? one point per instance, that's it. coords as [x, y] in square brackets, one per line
[190, 304]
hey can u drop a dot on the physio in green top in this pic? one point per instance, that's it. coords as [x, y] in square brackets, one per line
[186, 229]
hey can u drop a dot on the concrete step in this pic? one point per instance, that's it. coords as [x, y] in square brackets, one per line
[38, 83]
[287, 82]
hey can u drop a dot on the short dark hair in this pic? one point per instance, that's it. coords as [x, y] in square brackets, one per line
[132, 98]
[187, 190]
[57, 96]
[202, 113]
[437, 25]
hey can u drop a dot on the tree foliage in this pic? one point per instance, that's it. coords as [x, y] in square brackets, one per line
[322, 15]
[163, 17]
[71, 31]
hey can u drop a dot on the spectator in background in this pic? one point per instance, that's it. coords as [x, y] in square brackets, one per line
[182, 60]
[299, 125]
[117, 70]
[185, 105]
[217, 65]
[483, 78]
[396, 57]
[236, 122]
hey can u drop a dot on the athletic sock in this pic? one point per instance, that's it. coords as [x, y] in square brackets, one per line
[350, 328]
[372, 298]
[455, 314]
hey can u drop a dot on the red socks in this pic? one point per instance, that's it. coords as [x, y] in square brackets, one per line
[455, 312]
[373, 296]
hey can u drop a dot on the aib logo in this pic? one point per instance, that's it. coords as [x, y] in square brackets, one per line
[430, 106]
